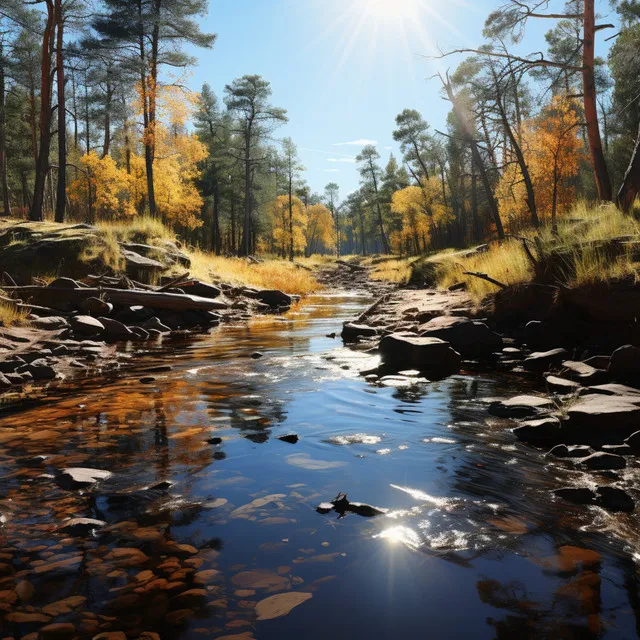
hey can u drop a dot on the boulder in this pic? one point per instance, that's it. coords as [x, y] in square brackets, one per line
[81, 478]
[116, 330]
[154, 323]
[139, 333]
[541, 361]
[625, 364]
[351, 331]
[204, 290]
[136, 263]
[545, 431]
[572, 451]
[583, 373]
[599, 362]
[5, 383]
[614, 499]
[577, 495]
[521, 406]
[81, 526]
[601, 461]
[541, 335]
[274, 298]
[50, 323]
[602, 418]
[470, 339]
[64, 283]
[41, 370]
[612, 389]
[431, 355]
[96, 307]
[86, 325]
[562, 385]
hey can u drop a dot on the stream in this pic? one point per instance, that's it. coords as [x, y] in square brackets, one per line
[472, 546]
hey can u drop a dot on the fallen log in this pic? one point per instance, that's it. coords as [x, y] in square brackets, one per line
[367, 312]
[126, 297]
[353, 267]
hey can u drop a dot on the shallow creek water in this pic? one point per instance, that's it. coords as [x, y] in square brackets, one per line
[473, 545]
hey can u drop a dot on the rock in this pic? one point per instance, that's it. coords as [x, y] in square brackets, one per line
[110, 635]
[431, 355]
[147, 380]
[86, 325]
[96, 307]
[577, 495]
[583, 373]
[204, 290]
[573, 451]
[5, 383]
[154, 323]
[601, 417]
[541, 361]
[601, 461]
[351, 331]
[614, 499]
[9, 366]
[633, 441]
[64, 283]
[40, 370]
[541, 335]
[50, 323]
[81, 478]
[539, 432]
[562, 385]
[324, 507]
[618, 449]
[520, 406]
[193, 598]
[138, 333]
[127, 557]
[625, 364]
[613, 389]
[24, 590]
[257, 355]
[57, 630]
[291, 438]
[274, 298]
[116, 330]
[470, 339]
[135, 263]
[20, 617]
[81, 526]
[599, 362]
[214, 441]
[280, 604]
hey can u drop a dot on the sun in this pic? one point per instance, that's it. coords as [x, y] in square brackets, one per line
[390, 9]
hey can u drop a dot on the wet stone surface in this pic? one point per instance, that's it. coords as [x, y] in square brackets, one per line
[186, 507]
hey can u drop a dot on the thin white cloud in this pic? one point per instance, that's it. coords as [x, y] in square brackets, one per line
[332, 170]
[388, 148]
[349, 160]
[355, 143]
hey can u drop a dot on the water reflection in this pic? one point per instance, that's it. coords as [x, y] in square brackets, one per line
[208, 513]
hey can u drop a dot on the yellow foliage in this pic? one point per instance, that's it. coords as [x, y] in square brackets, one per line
[320, 231]
[278, 211]
[109, 187]
[553, 151]
[421, 209]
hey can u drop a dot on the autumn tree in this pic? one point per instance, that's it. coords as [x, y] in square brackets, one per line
[321, 230]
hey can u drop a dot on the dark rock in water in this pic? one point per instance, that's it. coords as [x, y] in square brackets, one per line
[215, 441]
[154, 323]
[161, 368]
[40, 370]
[49, 323]
[431, 355]
[86, 325]
[601, 461]
[257, 355]
[96, 307]
[351, 331]
[561, 385]
[324, 507]
[57, 631]
[470, 339]
[81, 526]
[116, 330]
[625, 364]
[614, 499]
[577, 495]
[291, 438]
[60, 350]
[33, 462]
[204, 290]
[5, 383]
[599, 416]
[13, 378]
[541, 361]
[134, 315]
[541, 335]
[64, 283]
[32, 356]
[9, 366]
[540, 432]
[618, 449]
[81, 478]
[634, 441]
[520, 406]
[342, 505]
[613, 389]
[573, 451]
[138, 333]
[147, 380]
[274, 298]
[583, 373]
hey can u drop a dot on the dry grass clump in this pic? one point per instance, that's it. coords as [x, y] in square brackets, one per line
[270, 274]
[11, 316]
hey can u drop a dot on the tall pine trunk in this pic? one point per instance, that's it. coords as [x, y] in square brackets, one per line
[603, 182]
[3, 139]
[61, 195]
[42, 164]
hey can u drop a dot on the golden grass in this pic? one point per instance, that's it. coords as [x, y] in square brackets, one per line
[578, 237]
[11, 316]
[270, 274]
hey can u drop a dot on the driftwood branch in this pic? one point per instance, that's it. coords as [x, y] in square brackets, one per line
[527, 250]
[371, 309]
[484, 276]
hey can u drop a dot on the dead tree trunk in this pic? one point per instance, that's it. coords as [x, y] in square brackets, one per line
[630, 187]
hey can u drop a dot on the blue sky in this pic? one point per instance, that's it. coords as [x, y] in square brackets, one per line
[344, 68]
